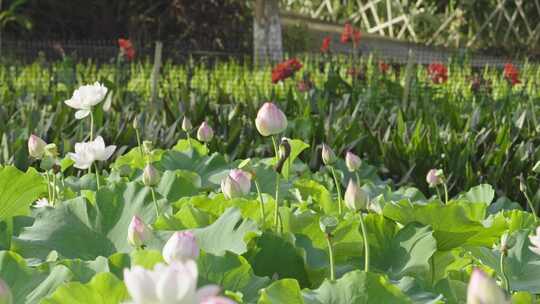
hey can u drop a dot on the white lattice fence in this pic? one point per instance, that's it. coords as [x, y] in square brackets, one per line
[469, 24]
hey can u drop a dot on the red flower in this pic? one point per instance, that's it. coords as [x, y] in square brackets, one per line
[347, 33]
[438, 73]
[350, 34]
[126, 48]
[325, 45]
[285, 70]
[511, 73]
[383, 67]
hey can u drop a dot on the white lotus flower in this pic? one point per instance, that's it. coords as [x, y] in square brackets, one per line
[85, 97]
[175, 283]
[86, 153]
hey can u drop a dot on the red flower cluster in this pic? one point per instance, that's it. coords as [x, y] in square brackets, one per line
[438, 72]
[325, 45]
[126, 48]
[511, 73]
[285, 70]
[383, 67]
[350, 34]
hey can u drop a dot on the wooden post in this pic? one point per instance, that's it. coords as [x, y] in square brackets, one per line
[156, 70]
[267, 40]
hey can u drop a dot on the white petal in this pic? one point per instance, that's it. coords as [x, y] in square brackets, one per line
[82, 114]
[207, 292]
[108, 152]
[73, 103]
[108, 102]
[140, 285]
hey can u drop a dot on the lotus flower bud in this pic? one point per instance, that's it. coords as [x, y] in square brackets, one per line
[230, 188]
[328, 155]
[352, 161]
[186, 124]
[535, 242]
[242, 178]
[218, 300]
[5, 293]
[36, 146]
[507, 242]
[137, 232]
[483, 289]
[434, 177]
[150, 176]
[270, 120]
[284, 153]
[355, 197]
[136, 123]
[181, 246]
[205, 132]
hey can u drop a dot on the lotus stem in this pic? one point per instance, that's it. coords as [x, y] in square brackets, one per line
[331, 256]
[338, 189]
[261, 203]
[366, 243]
[155, 201]
[506, 282]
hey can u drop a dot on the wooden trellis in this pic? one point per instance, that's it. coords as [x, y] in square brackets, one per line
[508, 22]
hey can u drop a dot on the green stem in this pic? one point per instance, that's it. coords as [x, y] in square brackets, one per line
[97, 176]
[445, 193]
[188, 139]
[357, 177]
[54, 190]
[276, 211]
[261, 203]
[91, 125]
[331, 256]
[439, 193]
[529, 202]
[432, 262]
[338, 189]
[48, 186]
[155, 201]
[139, 142]
[275, 148]
[366, 243]
[506, 282]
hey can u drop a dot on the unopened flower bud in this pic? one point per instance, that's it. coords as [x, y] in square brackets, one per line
[507, 242]
[181, 246]
[356, 198]
[483, 289]
[150, 176]
[36, 146]
[434, 177]
[137, 232]
[270, 120]
[186, 124]
[352, 161]
[205, 132]
[328, 155]
[230, 188]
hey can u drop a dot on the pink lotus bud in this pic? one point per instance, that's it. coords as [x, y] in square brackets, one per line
[205, 132]
[36, 146]
[218, 300]
[5, 293]
[535, 242]
[483, 289]
[434, 177]
[181, 246]
[150, 176]
[355, 197]
[328, 155]
[186, 124]
[352, 161]
[243, 179]
[230, 188]
[137, 232]
[270, 120]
